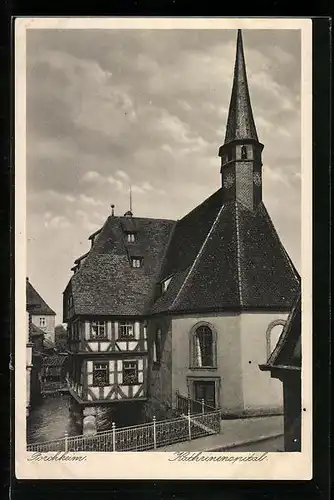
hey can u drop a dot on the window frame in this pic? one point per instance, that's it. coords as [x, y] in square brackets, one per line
[193, 360]
[271, 326]
[98, 336]
[135, 367]
[139, 260]
[42, 321]
[130, 237]
[125, 324]
[105, 370]
[244, 152]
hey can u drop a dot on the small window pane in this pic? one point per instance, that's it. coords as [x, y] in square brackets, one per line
[126, 329]
[98, 329]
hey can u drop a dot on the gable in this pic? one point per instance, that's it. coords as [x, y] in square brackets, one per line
[35, 303]
[106, 283]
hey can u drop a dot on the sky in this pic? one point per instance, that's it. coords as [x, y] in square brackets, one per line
[106, 108]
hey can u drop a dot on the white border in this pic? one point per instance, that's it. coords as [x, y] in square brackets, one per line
[157, 465]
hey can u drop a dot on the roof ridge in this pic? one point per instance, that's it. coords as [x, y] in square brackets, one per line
[192, 267]
[237, 230]
[166, 250]
[285, 253]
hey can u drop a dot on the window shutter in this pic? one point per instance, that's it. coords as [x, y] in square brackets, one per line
[87, 330]
[137, 330]
[109, 330]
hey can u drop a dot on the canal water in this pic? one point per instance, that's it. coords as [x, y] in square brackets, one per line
[50, 419]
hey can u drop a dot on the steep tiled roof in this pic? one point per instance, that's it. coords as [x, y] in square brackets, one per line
[287, 353]
[226, 257]
[106, 284]
[48, 344]
[35, 331]
[54, 360]
[35, 303]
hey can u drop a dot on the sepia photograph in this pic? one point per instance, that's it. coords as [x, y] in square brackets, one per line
[163, 248]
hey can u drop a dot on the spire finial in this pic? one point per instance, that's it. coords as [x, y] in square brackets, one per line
[130, 196]
[240, 122]
[112, 210]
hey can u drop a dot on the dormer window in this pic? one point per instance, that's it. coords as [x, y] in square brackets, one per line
[165, 284]
[130, 237]
[136, 262]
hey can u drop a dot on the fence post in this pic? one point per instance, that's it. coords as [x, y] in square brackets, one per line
[113, 436]
[189, 410]
[66, 441]
[154, 433]
[189, 425]
[202, 402]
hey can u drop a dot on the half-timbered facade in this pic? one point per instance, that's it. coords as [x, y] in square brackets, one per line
[105, 306]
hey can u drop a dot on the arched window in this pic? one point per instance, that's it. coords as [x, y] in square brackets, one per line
[203, 346]
[243, 152]
[273, 333]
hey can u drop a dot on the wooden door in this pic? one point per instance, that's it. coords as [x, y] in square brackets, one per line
[204, 389]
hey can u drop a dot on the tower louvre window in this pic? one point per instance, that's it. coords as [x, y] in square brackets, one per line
[136, 262]
[244, 153]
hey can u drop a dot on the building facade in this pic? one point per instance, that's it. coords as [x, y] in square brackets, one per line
[158, 307]
[42, 315]
[36, 310]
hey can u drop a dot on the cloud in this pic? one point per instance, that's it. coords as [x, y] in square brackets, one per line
[57, 222]
[90, 201]
[106, 108]
[90, 176]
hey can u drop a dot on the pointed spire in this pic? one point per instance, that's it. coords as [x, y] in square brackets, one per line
[240, 122]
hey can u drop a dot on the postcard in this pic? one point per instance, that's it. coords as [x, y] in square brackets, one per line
[163, 248]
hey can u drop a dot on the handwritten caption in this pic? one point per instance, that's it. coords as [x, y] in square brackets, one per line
[199, 456]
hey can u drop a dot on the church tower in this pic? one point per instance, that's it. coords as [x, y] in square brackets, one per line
[227, 283]
[241, 161]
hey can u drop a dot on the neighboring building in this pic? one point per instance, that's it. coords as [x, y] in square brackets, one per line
[41, 314]
[54, 370]
[29, 365]
[284, 364]
[61, 338]
[40, 324]
[204, 291]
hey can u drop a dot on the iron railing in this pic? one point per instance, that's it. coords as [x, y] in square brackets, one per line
[186, 404]
[149, 436]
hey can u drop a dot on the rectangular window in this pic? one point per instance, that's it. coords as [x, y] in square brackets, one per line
[98, 330]
[136, 262]
[130, 237]
[42, 322]
[130, 372]
[100, 374]
[126, 329]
